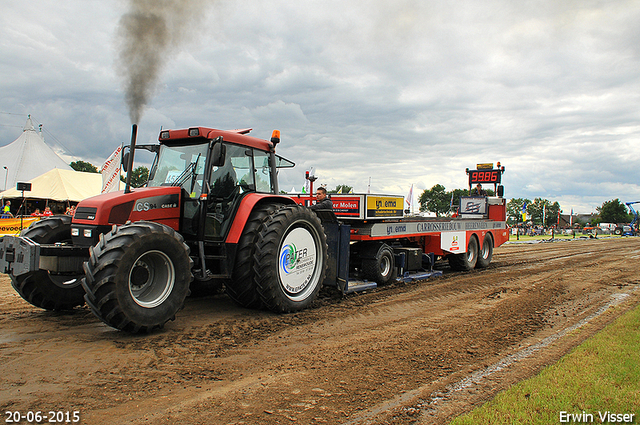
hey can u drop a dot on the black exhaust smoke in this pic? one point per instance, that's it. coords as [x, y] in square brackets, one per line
[148, 35]
[132, 149]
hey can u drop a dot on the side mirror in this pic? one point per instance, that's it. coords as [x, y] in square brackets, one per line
[218, 154]
[125, 162]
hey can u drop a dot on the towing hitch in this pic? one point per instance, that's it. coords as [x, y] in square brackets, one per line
[18, 255]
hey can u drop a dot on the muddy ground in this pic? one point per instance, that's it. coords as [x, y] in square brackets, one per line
[421, 352]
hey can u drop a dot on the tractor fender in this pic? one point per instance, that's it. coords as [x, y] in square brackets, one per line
[247, 205]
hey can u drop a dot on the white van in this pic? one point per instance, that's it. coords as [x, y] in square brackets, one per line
[607, 227]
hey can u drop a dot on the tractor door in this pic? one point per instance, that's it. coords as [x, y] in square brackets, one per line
[242, 172]
[183, 165]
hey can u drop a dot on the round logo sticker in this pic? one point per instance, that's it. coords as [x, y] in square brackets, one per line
[297, 260]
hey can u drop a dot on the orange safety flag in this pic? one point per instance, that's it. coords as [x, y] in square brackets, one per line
[110, 171]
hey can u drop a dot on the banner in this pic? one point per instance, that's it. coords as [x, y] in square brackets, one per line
[111, 171]
[13, 227]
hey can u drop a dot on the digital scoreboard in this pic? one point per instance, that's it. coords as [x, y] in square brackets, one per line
[484, 174]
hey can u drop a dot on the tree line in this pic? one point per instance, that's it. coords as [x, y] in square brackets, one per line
[538, 211]
[139, 175]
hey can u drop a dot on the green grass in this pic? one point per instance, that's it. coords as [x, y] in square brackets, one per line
[602, 374]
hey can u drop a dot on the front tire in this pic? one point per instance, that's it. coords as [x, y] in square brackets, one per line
[42, 288]
[138, 276]
[290, 259]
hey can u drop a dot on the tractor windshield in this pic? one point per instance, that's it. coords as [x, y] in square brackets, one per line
[180, 166]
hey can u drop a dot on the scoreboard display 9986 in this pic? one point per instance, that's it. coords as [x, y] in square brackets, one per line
[484, 176]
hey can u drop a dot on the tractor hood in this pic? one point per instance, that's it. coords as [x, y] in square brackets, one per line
[160, 204]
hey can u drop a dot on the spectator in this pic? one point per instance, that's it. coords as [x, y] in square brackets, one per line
[6, 211]
[322, 202]
[478, 191]
[47, 212]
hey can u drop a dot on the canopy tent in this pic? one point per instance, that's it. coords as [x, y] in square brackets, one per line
[27, 157]
[61, 185]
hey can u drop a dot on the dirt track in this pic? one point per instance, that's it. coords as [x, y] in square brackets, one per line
[401, 354]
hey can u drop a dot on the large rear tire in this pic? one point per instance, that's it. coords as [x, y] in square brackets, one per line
[290, 259]
[45, 289]
[467, 260]
[138, 276]
[486, 253]
[378, 263]
[242, 287]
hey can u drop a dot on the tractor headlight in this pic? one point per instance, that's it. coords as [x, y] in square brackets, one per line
[75, 231]
[87, 233]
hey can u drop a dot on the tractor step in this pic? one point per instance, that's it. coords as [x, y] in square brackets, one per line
[359, 286]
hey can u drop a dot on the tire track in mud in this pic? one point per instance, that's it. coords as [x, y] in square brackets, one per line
[381, 314]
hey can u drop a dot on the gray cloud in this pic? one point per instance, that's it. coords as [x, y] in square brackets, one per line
[403, 92]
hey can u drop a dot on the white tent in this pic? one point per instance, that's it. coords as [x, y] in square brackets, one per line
[61, 185]
[26, 158]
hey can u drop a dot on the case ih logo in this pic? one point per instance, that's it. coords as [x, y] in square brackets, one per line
[156, 202]
[472, 207]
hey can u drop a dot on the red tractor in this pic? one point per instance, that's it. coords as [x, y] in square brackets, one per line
[209, 213]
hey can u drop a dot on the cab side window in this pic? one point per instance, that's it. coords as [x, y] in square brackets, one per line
[263, 171]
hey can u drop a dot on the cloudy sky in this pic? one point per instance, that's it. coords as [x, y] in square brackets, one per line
[394, 93]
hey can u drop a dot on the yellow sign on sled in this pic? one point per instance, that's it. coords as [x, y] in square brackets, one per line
[13, 226]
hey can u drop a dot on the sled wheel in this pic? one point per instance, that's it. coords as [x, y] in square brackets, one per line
[290, 259]
[378, 263]
[46, 289]
[467, 260]
[484, 257]
[138, 276]
[242, 287]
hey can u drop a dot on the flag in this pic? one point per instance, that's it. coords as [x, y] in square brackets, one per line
[351, 190]
[571, 218]
[340, 191]
[409, 199]
[306, 188]
[451, 201]
[110, 171]
[524, 212]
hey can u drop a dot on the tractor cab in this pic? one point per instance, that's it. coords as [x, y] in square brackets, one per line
[215, 170]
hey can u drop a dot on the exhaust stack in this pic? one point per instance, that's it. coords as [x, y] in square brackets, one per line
[132, 149]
